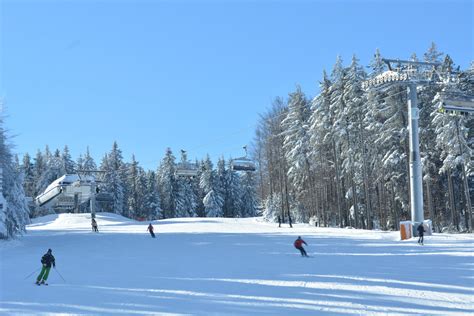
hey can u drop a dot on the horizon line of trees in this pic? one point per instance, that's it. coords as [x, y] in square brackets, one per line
[148, 194]
[340, 158]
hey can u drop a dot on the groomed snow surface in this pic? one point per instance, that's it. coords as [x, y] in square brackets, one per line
[215, 266]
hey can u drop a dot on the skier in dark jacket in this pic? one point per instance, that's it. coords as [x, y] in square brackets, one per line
[47, 260]
[279, 221]
[421, 231]
[299, 245]
[150, 229]
[94, 226]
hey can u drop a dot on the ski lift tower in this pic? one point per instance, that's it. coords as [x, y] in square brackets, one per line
[94, 189]
[410, 74]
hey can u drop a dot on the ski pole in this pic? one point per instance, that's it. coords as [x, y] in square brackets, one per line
[59, 274]
[31, 274]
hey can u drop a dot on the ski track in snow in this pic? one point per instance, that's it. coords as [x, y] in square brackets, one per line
[215, 266]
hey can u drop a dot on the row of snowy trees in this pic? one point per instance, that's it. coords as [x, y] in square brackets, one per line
[137, 193]
[341, 158]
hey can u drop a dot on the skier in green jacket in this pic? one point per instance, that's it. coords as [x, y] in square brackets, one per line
[47, 260]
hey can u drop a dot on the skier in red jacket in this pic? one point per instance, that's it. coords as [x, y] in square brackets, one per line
[299, 245]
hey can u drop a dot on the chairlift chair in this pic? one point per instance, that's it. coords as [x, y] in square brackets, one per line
[456, 102]
[243, 163]
[186, 169]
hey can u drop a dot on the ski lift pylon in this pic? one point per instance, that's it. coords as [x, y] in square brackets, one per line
[243, 163]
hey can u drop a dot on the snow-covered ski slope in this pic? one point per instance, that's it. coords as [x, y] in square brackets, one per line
[214, 266]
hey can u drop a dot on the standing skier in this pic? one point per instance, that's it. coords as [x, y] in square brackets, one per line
[299, 245]
[421, 231]
[150, 229]
[94, 226]
[279, 221]
[46, 260]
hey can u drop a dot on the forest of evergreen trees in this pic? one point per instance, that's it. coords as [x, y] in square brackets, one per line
[148, 195]
[340, 158]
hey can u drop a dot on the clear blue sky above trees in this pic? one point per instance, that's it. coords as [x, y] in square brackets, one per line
[191, 74]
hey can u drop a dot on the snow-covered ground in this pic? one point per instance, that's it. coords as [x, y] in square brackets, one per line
[214, 266]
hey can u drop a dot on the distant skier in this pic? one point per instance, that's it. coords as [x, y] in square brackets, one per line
[299, 245]
[47, 260]
[279, 221]
[421, 231]
[94, 226]
[150, 229]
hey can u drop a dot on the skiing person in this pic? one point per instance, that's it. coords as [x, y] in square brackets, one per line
[150, 229]
[421, 231]
[46, 260]
[94, 226]
[299, 245]
[279, 221]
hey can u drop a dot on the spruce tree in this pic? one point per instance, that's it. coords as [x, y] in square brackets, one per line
[13, 215]
[167, 184]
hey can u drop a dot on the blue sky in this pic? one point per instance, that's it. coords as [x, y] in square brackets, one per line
[191, 74]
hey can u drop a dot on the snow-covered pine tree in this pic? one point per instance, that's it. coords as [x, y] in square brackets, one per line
[372, 122]
[167, 184]
[453, 142]
[28, 171]
[213, 200]
[186, 197]
[353, 144]
[88, 162]
[80, 162]
[430, 155]
[272, 208]
[339, 125]
[136, 183]
[248, 198]
[113, 168]
[198, 190]
[68, 164]
[322, 155]
[53, 170]
[38, 170]
[152, 202]
[13, 215]
[297, 152]
[388, 125]
[233, 192]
